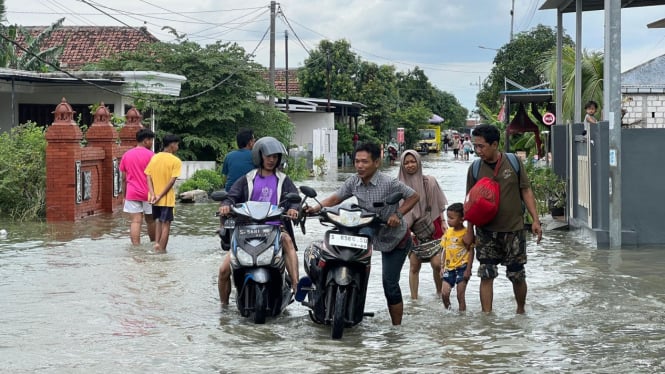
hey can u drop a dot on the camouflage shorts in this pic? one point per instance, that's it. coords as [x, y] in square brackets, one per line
[505, 248]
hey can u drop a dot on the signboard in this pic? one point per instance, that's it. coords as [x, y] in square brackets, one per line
[400, 135]
[549, 118]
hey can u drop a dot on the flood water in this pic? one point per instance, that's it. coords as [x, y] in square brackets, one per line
[79, 298]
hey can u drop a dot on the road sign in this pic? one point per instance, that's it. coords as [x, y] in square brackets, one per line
[549, 119]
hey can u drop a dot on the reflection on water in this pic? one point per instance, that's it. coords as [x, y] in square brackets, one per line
[79, 298]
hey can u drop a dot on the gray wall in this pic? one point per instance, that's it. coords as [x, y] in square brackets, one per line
[643, 183]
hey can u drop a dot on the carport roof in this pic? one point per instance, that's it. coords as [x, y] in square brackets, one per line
[148, 81]
[529, 96]
[568, 6]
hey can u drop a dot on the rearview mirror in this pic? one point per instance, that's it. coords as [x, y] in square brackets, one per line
[308, 191]
[219, 195]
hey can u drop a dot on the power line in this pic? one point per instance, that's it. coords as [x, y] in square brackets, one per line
[101, 11]
[160, 13]
[415, 64]
[64, 8]
[283, 16]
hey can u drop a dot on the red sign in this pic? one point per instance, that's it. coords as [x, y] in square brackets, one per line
[549, 119]
[400, 135]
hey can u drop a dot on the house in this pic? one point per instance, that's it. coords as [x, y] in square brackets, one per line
[314, 118]
[89, 44]
[643, 94]
[26, 95]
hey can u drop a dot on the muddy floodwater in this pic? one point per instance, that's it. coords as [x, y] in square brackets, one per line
[79, 298]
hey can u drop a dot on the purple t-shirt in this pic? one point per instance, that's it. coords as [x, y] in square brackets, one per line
[265, 189]
[133, 164]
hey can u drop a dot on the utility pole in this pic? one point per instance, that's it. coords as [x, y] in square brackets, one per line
[512, 20]
[328, 68]
[271, 71]
[612, 111]
[286, 75]
[477, 115]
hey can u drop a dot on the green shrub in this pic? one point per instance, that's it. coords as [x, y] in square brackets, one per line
[296, 169]
[23, 170]
[206, 180]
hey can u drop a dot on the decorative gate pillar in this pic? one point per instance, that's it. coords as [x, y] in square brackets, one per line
[102, 134]
[63, 151]
[132, 126]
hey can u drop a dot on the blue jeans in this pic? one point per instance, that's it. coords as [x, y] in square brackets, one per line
[392, 263]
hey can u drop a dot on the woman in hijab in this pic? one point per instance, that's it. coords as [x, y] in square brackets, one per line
[411, 174]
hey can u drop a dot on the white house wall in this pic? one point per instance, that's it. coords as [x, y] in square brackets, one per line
[306, 123]
[325, 145]
[644, 110]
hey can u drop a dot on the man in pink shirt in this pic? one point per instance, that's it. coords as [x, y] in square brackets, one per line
[135, 185]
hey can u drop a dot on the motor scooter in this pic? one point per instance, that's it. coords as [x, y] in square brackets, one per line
[257, 259]
[338, 266]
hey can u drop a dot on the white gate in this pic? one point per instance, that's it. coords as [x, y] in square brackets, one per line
[324, 143]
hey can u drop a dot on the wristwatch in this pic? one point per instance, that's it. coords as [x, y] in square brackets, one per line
[399, 214]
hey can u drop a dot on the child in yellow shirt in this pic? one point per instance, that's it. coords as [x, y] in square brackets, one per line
[456, 258]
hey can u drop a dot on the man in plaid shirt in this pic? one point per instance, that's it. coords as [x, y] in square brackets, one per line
[371, 186]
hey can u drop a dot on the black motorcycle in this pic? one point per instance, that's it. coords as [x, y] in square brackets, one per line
[257, 260]
[338, 266]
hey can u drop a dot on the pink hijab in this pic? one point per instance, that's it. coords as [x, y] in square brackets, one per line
[426, 186]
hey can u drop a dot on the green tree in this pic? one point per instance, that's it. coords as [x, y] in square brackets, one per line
[519, 60]
[413, 118]
[223, 82]
[330, 68]
[383, 90]
[592, 77]
[23, 170]
[377, 87]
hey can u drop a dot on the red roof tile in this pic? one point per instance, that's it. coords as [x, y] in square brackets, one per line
[86, 44]
[280, 81]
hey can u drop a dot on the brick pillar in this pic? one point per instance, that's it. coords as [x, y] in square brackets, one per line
[102, 134]
[63, 150]
[132, 126]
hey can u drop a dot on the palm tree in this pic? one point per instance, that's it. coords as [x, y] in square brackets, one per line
[35, 59]
[592, 77]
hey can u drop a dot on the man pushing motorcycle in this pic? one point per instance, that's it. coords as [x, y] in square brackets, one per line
[371, 188]
[265, 183]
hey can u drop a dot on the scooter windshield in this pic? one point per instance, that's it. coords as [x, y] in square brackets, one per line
[258, 210]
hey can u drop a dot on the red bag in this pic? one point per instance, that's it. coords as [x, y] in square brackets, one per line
[482, 202]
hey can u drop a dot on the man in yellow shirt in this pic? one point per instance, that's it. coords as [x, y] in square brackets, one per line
[162, 172]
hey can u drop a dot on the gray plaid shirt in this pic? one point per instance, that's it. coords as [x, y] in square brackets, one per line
[377, 190]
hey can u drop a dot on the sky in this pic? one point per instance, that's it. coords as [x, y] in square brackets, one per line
[454, 42]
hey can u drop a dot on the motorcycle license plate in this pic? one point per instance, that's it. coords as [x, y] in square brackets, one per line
[352, 241]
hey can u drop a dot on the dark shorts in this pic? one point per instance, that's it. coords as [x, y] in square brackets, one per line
[455, 276]
[505, 248]
[162, 213]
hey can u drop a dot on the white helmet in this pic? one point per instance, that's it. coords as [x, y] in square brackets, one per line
[267, 145]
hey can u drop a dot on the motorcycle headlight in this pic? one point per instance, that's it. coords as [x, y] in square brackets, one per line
[349, 219]
[244, 258]
[265, 257]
